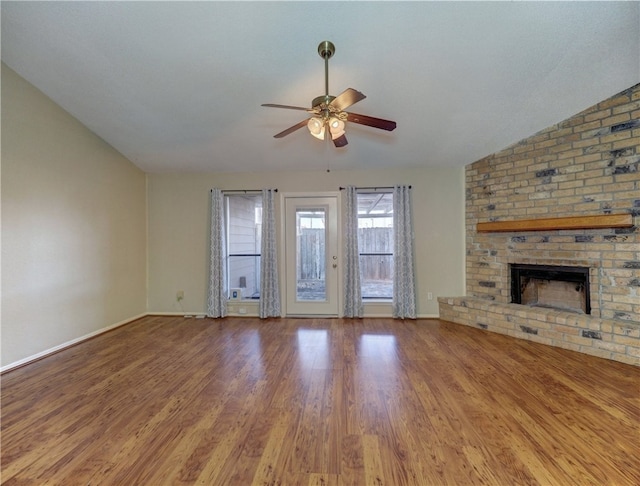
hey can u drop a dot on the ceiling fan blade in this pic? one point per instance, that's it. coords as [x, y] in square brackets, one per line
[287, 107]
[292, 129]
[341, 141]
[371, 121]
[347, 98]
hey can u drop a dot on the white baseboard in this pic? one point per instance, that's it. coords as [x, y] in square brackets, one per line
[199, 315]
[68, 344]
[389, 316]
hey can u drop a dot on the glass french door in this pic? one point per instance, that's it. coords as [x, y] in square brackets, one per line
[311, 255]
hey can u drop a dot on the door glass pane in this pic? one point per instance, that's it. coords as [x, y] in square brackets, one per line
[310, 255]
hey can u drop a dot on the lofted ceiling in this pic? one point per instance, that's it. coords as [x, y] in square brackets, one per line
[177, 86]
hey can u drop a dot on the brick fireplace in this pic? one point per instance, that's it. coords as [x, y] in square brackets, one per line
[586, 166]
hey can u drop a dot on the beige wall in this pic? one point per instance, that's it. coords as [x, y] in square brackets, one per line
[73, 227]
[178, 227]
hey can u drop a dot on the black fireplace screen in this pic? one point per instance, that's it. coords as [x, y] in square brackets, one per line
[559, 287]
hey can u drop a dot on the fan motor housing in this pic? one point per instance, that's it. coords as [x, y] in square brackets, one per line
[324, 99]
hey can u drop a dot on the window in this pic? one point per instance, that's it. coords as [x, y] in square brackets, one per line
[244, 230]
[375, 244]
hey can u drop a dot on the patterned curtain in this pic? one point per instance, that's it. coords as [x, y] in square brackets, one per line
[269, 282]
[217, 301]
[404, 294]
[352, 292]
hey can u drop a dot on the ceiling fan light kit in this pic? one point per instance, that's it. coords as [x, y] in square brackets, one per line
[317, 126]
[328, 112]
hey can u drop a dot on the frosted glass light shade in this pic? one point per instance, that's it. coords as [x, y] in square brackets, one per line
[316, 127]
[336, 126]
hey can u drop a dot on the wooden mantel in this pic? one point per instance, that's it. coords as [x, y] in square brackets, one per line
[566, 223]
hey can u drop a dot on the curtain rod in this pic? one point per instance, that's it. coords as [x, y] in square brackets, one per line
[244, 191]
[374, 188]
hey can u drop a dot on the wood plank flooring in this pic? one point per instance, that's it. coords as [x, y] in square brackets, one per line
[166, 401]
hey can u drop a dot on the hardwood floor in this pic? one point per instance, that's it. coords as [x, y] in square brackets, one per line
[318, 402]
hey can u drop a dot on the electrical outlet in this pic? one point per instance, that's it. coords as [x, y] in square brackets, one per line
[180, 295]
[429, 296]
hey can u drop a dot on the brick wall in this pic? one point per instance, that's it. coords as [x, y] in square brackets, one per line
[586, 165]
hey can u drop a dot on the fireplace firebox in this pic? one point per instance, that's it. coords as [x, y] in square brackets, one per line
[557, 287]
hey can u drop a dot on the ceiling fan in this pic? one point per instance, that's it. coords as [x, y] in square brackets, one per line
[328, 112]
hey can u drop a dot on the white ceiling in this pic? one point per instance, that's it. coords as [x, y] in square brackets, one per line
[177, 86]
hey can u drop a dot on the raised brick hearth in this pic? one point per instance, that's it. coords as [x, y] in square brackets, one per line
[586, 165]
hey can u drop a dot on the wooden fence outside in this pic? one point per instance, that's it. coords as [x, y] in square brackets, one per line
[311, 256]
